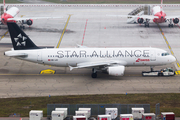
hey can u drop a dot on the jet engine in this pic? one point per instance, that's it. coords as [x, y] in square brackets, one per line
[28, 22]
[176, 21]
[116, 70]
[140, 20]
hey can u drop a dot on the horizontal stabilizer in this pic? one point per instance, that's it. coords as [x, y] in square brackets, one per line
[15, 54]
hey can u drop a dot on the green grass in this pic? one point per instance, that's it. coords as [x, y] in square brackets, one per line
[113, 2]
[168, 102]
[11, 1]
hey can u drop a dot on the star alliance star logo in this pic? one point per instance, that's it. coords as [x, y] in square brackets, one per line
[20, 40]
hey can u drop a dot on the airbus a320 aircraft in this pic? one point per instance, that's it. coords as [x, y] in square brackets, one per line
[10, 16]
[158, 16]
[111, 60]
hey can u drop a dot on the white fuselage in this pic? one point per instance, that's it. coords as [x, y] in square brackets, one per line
[65, 57]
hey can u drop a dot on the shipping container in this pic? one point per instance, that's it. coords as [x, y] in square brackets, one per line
[82, 113]
[104, 117]
[148, 116]
[167, 116]
[35, 115]
[86, 109]
[137, 113]
[79, 118]
[126, 117]
[112, 111]
[58, 115]
[62, 109]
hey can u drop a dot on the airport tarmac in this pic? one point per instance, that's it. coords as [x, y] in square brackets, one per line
[88, 26]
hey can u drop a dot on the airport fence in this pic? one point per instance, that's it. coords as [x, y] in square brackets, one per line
[97, 109]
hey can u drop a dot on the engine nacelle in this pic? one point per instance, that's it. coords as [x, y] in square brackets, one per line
[176, 21]
[28, 22]
[140, 20]
[116, 70]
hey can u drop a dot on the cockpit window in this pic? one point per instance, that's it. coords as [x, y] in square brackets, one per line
[164, 54]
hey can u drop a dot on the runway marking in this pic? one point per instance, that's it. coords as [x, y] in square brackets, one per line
[168, 44]
[84, 32]
[63, 32]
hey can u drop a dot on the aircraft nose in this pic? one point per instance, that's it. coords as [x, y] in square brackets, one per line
[172, 59]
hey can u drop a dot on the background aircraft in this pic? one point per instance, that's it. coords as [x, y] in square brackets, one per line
[157, 15]
[9, 15]
[111, 60]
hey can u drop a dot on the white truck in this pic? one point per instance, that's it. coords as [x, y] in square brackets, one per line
[162, 72]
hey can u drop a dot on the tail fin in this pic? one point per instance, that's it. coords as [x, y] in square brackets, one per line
[4, 6]
[19, 39]
[161, 5]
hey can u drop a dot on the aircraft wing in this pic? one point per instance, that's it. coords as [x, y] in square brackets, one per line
[97, 64]
[34, 18]
[135, 16]
[172, 17]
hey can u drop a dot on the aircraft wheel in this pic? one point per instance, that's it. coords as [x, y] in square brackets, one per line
[171, 25]
[94, 75]
[160, 74]
[23, 27]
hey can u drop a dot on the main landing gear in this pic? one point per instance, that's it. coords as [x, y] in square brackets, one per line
[94, 73]
[22, 26]
[170, 25]
[146, 24]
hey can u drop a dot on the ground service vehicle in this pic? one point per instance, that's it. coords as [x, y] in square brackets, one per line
[162, 72]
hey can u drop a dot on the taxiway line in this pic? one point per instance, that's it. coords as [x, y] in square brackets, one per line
[168, 45]
[4, 35]
[84, 32]
[63, 32]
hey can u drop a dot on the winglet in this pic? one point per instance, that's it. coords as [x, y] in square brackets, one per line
[80, 46]
[71, 68]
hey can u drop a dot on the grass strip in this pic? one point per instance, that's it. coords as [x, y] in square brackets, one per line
[11, 1]
[169, 102]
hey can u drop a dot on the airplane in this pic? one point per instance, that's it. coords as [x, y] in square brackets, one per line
[158, 16]
[110, 60]
[9, 15]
